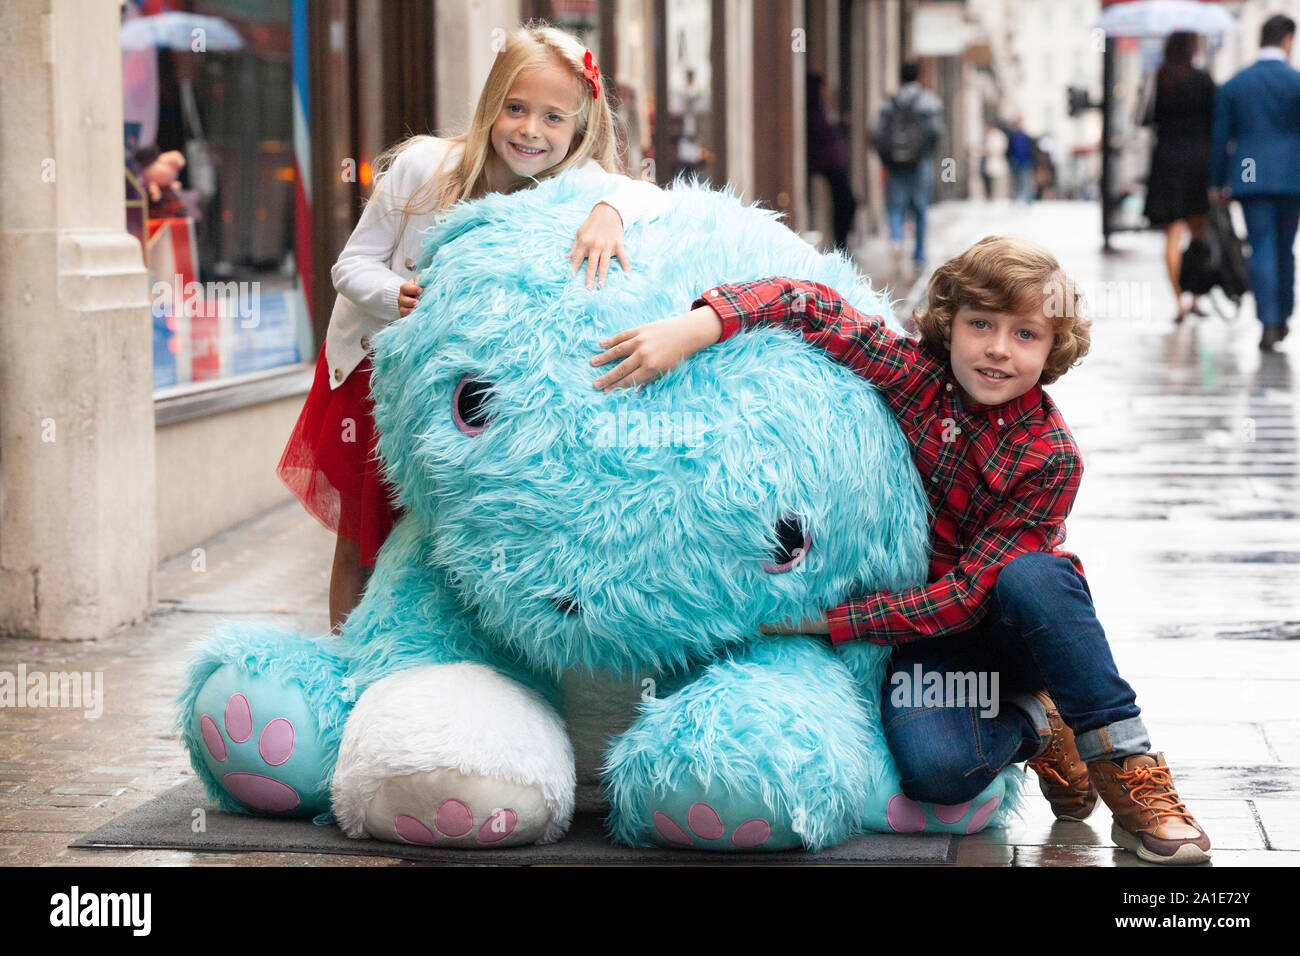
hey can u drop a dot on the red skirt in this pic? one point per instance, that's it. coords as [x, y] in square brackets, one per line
[331, 465]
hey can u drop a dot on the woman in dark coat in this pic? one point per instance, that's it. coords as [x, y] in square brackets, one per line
[828, 154]
[1182, 112]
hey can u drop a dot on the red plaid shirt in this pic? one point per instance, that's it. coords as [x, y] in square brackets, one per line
[1000, 479]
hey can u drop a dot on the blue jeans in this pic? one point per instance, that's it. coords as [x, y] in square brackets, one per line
[1023, 186]
[1040, 632]
[1271, 223]
[909, 188]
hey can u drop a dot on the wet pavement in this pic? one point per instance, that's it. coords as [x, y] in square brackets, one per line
[1187, 523]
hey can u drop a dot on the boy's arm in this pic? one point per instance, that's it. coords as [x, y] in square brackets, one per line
[1032, 520]
[820, 314]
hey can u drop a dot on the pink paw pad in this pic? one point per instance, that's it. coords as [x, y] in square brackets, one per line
[413, 831]
[276, 742]
[453, 818]
[669, 829]
[212, 739]
[982, 815]
[261, 792]
[498, 826]
[904, 814]
[752, 833]
[951, 812]
[706, 823]
[239, 718]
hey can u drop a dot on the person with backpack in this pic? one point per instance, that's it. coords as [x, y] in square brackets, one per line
[906, 135]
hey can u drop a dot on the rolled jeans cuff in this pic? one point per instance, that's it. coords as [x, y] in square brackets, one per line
[1037, 715]
[1120, 739]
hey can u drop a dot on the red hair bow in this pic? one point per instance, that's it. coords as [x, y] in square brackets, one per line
[592, 72]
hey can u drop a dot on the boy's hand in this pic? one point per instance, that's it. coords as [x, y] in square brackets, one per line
[600, 242]
[812, 625]
[406, 298]
[650, 350]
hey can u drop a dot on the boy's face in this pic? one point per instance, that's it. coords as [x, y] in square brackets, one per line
[998, 356]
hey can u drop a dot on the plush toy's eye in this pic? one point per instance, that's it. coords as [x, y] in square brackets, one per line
[792, 542]
[468, 405]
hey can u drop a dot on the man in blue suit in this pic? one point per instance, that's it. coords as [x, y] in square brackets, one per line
[1258, 113]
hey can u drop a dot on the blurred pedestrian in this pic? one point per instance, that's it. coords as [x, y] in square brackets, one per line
[828, 155]
[1181, 109]
[1045, 167]
[906, 134]
[993, 160]
[1020, 154]
[1258, 113]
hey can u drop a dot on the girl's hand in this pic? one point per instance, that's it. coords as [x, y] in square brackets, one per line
[650, 350]
[406, 297]
[599, 241]
[812, 625]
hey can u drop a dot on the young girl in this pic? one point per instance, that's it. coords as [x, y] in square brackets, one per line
[541, 112]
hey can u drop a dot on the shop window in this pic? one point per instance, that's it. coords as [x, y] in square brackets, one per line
[211, 182]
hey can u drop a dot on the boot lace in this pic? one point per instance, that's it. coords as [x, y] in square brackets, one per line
[1153, 788]
[1043, 766]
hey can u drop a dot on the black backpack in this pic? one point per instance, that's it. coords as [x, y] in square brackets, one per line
[904, 134]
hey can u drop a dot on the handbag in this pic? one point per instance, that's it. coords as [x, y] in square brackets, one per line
[1217, 260]
[1233, 274]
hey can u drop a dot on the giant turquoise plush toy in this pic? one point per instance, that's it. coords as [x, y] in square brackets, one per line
[550, 528]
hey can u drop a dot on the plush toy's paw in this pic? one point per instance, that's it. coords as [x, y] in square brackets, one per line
[260, 742]
[693, 817]
[448, 808]
[773, 737]
[892, 811]
[454, 755]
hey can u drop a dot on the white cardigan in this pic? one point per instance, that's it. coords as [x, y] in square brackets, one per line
[377, 260]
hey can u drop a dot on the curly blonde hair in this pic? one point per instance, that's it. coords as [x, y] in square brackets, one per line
[1010, 275]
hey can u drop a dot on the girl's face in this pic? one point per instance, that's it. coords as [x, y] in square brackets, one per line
[536, 125]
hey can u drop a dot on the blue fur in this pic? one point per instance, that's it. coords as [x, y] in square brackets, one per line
[652, 509]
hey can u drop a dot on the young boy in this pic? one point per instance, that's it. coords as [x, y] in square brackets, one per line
[1001, 470]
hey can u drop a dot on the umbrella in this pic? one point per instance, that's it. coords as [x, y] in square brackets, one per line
[1158, 18]
[176, 31]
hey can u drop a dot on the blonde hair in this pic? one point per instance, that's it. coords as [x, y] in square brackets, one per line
[533, 45]
[1006, 274]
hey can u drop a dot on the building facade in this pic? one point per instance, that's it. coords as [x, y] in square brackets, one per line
[182, 312]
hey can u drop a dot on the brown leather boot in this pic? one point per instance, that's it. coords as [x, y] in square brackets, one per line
[1150, 820]
[1062, 775]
